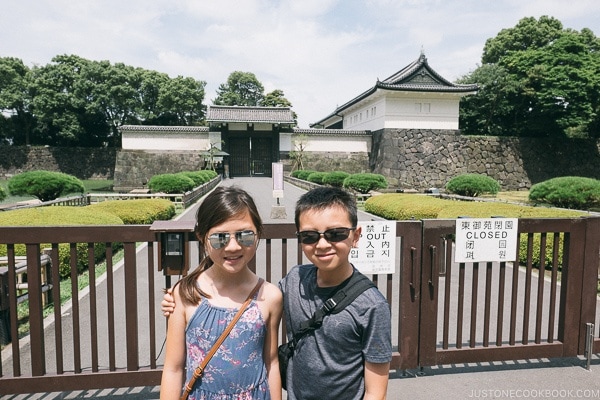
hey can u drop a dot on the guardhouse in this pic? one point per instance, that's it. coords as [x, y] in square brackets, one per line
[416, 97]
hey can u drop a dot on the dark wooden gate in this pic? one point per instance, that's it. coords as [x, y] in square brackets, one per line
[261, 156]
[475, 312]
[250, 156]
[239, 156]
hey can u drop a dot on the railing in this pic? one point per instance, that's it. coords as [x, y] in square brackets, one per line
[183, 200]
[113, 332]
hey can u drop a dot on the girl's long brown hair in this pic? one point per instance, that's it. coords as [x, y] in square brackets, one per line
[220, 205]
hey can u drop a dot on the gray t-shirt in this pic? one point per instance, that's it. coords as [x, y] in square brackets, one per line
[329, 362]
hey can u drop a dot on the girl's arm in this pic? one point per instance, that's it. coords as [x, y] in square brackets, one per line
[173, 375]
[274, 301]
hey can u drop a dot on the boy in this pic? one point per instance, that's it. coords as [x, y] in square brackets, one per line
[348, 357]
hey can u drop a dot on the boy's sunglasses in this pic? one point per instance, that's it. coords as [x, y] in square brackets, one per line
[331, 235]
[221, 239]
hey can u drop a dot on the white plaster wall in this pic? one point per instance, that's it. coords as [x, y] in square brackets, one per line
[285, 141]
[146, 140]
[422, 112]
[405, 111]
[335, 144]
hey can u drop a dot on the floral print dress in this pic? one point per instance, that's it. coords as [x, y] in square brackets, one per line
[237, 370]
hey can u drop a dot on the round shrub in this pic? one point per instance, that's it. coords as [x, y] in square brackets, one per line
[335, 178]
[303, 174]
[209, 173]
[316, 177]
[198, 177]
[567, 192]
[137, 211]
[365, 182]
[472, 185]
[170, 183]
[44, 185]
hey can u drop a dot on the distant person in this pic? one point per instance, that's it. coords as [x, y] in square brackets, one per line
[245, 366]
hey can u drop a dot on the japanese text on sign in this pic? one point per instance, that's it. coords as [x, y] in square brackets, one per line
[481, 239]
[376, 251]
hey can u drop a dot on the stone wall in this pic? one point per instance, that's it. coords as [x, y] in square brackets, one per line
[82, 162]
[135, 167]
[409, 159]
[421, 159]
[332, 161]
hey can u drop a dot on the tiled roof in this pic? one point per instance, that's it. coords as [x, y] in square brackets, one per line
[337, 132]
[274, 115]
[163, 128]
[418, 76]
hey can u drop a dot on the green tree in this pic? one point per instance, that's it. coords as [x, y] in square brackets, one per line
[537, 79]
[44, 185]
[56, 107]
[182, 99]
[241, 89]
[15, 101]
[276, 98]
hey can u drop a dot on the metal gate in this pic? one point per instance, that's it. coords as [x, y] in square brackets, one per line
[480, 312]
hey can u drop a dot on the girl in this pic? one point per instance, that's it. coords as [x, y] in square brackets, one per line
[228, 228]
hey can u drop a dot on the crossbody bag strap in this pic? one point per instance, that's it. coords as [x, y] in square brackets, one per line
[200, 369]
[357, 284]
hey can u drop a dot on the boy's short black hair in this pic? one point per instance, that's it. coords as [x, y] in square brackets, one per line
[323, 197]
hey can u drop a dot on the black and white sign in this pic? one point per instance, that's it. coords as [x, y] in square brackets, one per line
[376, 252]
[486, 239]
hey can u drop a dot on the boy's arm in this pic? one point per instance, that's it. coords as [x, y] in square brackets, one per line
[376, 380]
[167, 305]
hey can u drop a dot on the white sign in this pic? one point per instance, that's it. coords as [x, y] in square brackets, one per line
[376, 252]
[486, 239]
[277, 169]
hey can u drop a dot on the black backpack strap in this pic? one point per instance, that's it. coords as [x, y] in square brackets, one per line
[356, 285]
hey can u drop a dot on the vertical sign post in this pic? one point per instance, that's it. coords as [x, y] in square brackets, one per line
[277, 211]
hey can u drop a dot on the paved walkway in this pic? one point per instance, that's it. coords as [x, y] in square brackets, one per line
[540, 378]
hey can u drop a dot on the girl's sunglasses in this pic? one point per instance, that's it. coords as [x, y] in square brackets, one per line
[331, 235]
[221, 239]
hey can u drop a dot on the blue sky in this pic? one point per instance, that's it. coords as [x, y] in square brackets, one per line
[321, 53]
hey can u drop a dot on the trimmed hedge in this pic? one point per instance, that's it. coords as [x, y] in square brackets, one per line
[316, 177]
[58, 216]
[170, 183]
[568, 191]
[2, 194]
[304, 174]
[365, 182]
[61, 216]
[335, 178]
[394, 206]
[44, 185]
[115, 212]
[137, 211]
[472, 185]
